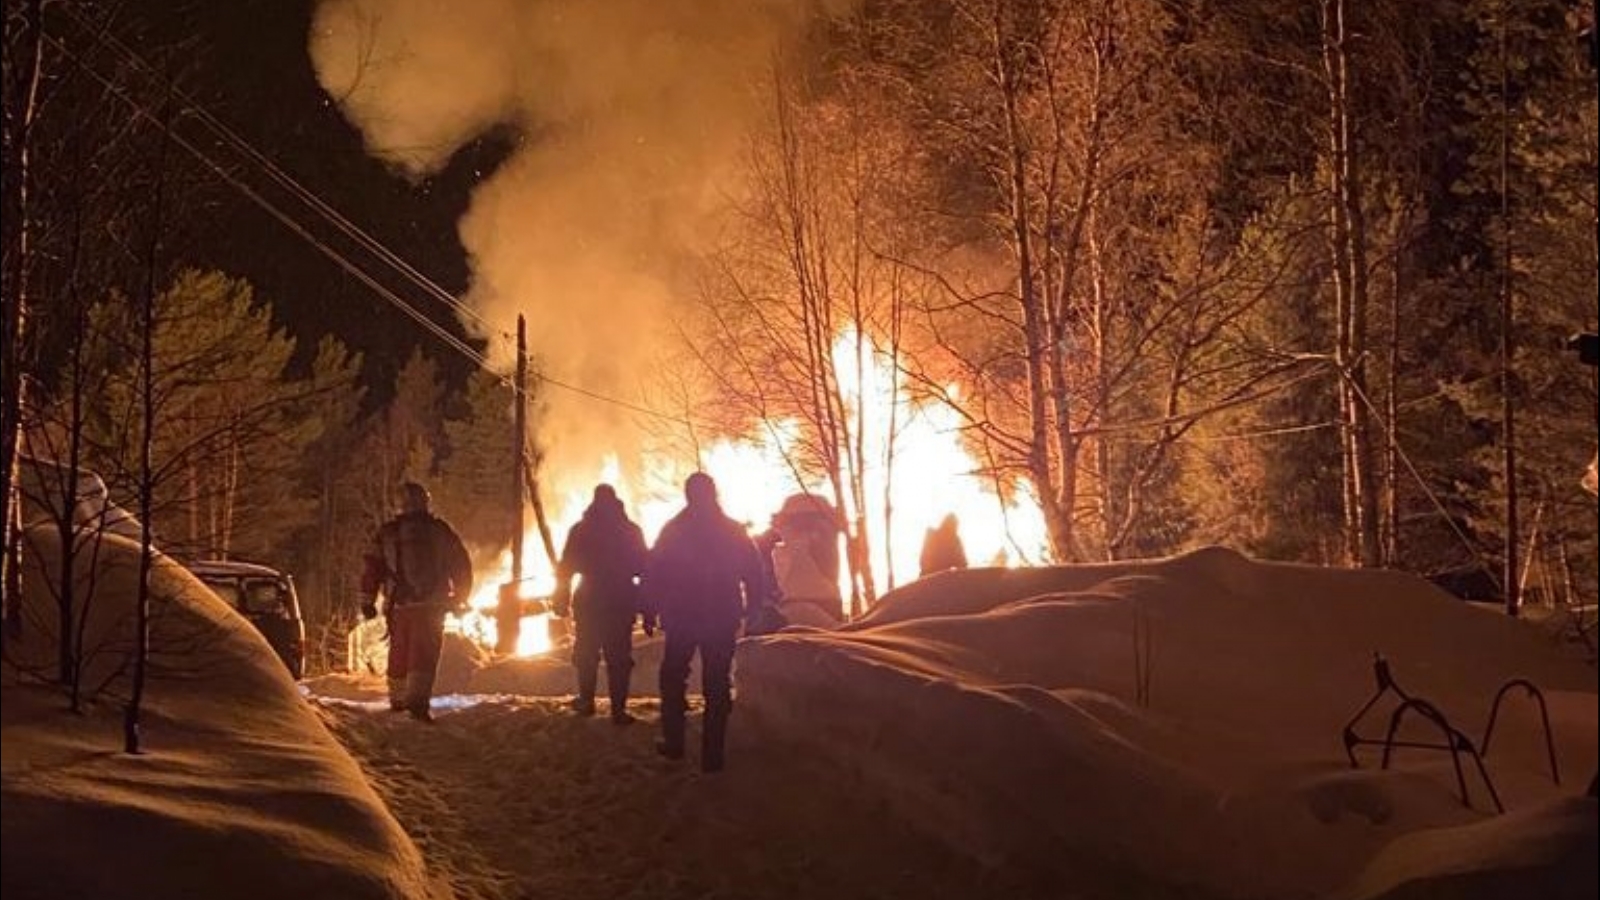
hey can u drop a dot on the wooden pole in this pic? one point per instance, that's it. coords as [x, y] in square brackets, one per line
[519, 486]
[546, 536]
[508, 613]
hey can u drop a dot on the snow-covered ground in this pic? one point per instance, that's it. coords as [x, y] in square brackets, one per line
[1163, 729]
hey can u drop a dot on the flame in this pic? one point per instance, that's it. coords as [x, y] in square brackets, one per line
[928, 474]
[479, 624]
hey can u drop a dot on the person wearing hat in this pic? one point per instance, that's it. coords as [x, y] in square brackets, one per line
[606, 553]
[418, 563]
[704, 578]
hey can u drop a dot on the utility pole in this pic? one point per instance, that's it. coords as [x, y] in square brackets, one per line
[508, 614]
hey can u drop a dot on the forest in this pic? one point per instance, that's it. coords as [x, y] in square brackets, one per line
[1296, 279]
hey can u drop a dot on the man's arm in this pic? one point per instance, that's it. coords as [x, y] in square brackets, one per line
[657, 584]
[566, 569]
[753, 576]
[460, 569]
[373, 572]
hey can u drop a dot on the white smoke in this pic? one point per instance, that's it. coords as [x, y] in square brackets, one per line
[631, 115]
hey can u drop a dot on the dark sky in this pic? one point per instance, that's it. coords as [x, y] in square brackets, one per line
[246, 62]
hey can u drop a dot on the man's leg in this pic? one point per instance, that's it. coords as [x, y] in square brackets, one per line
[618, 648]
[399, 628]
[716, 682]
[426, 644]
[676, 656]
[585, 662]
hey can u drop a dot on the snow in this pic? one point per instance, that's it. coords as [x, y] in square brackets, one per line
[242, 792]
[1168, 728]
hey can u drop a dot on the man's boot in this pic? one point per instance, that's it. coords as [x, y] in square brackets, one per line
[419, 695]
[713, 738]
[619, 709]
[583, 704]
[672, 728]
[617, 681]
[397, 695]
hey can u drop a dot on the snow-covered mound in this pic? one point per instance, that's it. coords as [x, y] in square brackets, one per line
[1177, 722]
[240, 790]
[1547, 851]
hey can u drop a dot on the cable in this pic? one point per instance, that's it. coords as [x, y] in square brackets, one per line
[284, 179]
[277, 213]
[193, 109]
[1411, 467]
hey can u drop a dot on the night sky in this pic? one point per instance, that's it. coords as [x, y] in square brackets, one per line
[246, 62]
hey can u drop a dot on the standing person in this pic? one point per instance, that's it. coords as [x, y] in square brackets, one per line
[806, 562]
[606, 552]
[420, 565]
[942, 548]
[703, 578]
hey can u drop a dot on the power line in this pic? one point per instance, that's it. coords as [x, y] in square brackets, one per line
[192, 108]
[279, 214]
[290, 183]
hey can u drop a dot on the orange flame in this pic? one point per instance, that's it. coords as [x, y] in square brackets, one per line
[927, 474]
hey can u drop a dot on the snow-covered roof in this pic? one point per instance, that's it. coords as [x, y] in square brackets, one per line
[229, 567]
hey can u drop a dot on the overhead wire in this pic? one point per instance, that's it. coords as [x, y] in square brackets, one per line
[194, 109]
[276, 212]
[341, 222]
[1405, 458]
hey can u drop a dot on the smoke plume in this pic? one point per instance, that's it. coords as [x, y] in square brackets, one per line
[630, 115]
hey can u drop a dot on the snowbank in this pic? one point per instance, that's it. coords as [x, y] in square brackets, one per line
[1177, 721]
[240, 791]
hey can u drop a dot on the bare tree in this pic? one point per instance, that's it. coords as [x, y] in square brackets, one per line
[20, 81]
[809, 303]
[1082, 261]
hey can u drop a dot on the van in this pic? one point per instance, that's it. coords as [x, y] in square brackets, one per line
[267, 598]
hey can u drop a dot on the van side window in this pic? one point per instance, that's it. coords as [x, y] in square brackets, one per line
[262, 596]
[228, 591]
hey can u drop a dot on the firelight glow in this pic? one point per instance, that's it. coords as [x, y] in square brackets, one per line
[928, 474]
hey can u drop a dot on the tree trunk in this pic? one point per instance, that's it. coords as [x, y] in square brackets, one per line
[141, 646]
[1350, 289]
[1508, 344]
[1048, 404]
[16, 174]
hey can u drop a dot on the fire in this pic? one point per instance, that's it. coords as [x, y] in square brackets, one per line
[479, 624]
[928, 474]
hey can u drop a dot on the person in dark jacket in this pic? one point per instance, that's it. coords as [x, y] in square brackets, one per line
[606, 552]
[942, 548]
[418, 563]
[703, 579]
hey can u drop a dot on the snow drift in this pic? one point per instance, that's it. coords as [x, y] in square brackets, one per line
[1178, 722]
[241, 790]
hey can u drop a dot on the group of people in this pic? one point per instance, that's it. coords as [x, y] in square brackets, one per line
[699, 583]
[801, 553]
[703, 580]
